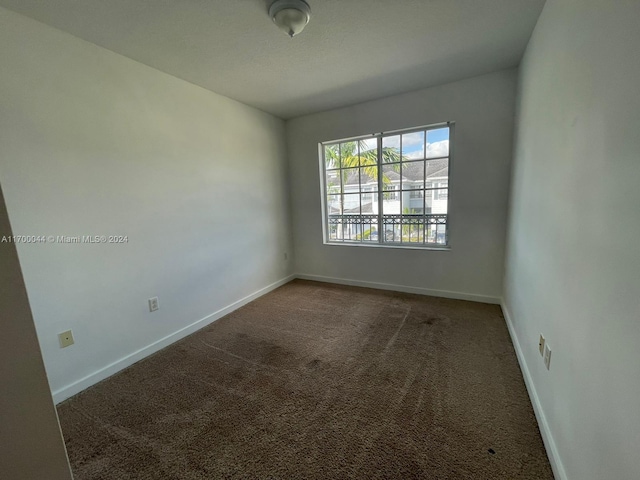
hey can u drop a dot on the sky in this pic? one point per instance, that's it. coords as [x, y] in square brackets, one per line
[413, 143]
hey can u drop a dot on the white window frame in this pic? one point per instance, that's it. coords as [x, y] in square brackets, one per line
[381, 242]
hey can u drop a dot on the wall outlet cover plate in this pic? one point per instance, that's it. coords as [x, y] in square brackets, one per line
[153, 304]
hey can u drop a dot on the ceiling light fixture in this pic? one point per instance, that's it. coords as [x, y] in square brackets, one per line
[291, 16]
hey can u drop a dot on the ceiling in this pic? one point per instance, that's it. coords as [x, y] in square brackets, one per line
[351, 51]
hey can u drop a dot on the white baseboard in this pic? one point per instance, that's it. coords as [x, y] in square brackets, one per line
[547, 438]
[403, 288]
[105, 372]
[108, 370]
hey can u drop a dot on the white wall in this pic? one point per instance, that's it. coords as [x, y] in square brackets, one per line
[483, 109]
[92, 143]
[573, 263]
[31, 444]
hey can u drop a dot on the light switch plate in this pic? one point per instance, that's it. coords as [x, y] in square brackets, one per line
[547, 356]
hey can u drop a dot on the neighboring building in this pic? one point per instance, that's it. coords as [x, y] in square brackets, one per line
[414, 189]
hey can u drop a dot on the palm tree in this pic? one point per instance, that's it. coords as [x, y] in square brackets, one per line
[359, 154]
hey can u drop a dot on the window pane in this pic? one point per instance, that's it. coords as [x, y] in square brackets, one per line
[335, 229]
[332, 156]
[351, 180]
[370, 234]
[392, 231]
[413, 201]
[412, 175]
[413, 145]
[431, 234]
[428, 201]
[391, 203]
[349, 154]
[391, 149]
[392, 194]
[413, 229]
[352, 229]
[437, 201]
[368, 229]
[369, 151]
[351, 204]
[437, 171]
[333, 181]
[333, 204]
[438, 142]
[391, 176]
[440, 201]
[369, 178]
[441, 234]
[369, 203]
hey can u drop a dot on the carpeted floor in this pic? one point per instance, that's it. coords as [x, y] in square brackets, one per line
[318, 381]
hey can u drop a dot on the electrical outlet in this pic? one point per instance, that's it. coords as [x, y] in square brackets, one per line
[541, 345]
[547, 356]
[66, 339]
[153, 304]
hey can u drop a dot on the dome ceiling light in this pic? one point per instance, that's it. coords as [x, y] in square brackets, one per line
[291, 16]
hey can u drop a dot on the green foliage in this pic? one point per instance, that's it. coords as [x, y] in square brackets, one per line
[411, 232]
[366, 235]
[358, 154]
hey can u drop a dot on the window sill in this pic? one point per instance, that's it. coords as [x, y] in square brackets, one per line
[441, 248]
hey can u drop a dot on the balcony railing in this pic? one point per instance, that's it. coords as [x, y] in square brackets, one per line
[397, 228]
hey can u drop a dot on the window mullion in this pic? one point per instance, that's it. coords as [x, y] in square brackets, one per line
[341, 174]
[400, 196]
[424, 192]
[381, 230]
[360, 227]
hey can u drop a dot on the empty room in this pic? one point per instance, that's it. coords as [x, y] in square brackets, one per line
[320, 239]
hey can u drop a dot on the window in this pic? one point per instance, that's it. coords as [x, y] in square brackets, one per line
[391, 193]
[442, 192]
[388, 189]
[419, 193]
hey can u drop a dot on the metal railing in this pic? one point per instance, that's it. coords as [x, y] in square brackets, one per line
[397, 228]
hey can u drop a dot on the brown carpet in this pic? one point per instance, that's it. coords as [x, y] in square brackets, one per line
[318, 381]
